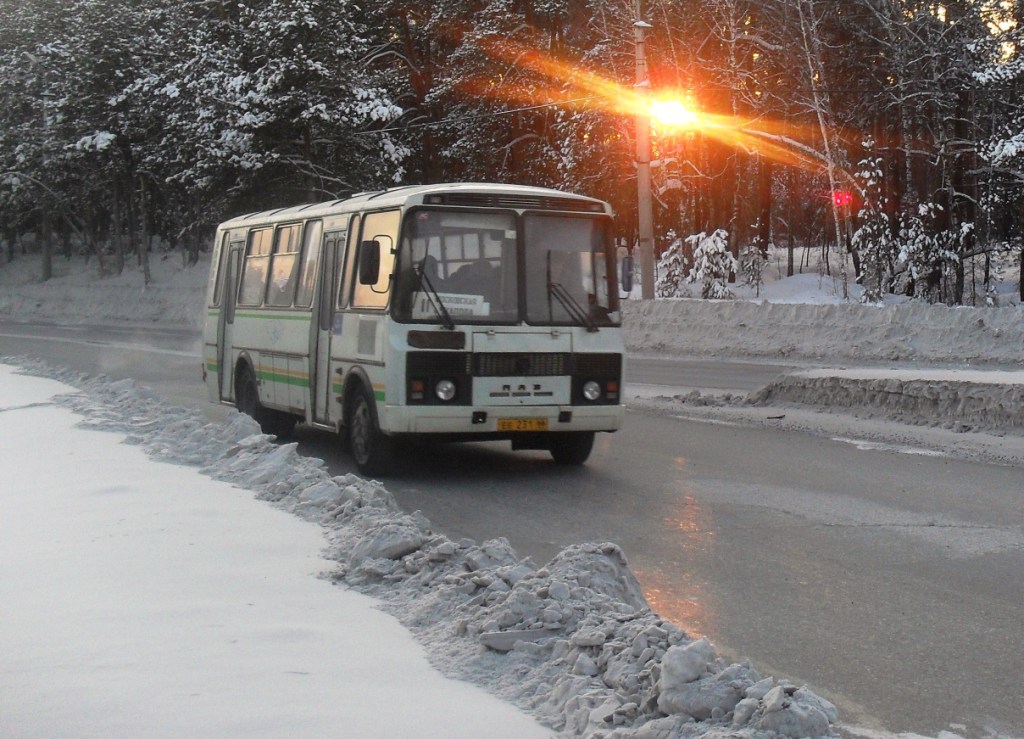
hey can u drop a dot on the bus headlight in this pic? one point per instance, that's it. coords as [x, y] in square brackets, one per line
[445, 390]
[591, 390]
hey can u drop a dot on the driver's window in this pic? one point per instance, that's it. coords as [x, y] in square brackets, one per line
[382, 228]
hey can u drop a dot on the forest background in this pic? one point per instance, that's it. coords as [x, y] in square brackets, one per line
[889, 134]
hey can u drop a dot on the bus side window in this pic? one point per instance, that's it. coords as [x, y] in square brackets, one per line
[345, 281]
[218, 278]
[257, 259]
[310, 259]
[284, 266]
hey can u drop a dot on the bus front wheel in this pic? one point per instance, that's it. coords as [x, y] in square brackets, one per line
[370, 448]
[571, 447]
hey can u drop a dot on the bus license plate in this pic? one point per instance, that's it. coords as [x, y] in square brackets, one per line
[522, 424]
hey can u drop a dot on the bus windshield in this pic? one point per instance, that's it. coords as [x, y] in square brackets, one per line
[465, 267]
[567, 271]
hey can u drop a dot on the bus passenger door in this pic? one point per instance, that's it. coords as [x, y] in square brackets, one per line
[327, 301]
[232, 267]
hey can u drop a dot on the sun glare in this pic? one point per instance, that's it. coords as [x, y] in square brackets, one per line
[674, 113]
[584, 89]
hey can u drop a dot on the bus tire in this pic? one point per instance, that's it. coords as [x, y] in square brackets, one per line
[370, 448]
[571, 447]
[247, 400]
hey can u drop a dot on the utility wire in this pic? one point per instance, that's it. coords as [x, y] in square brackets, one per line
[479, 116]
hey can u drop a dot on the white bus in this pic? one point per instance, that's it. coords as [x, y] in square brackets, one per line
[457, 312]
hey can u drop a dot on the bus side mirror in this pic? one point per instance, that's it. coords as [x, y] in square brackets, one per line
[369, 262]
[627, 274]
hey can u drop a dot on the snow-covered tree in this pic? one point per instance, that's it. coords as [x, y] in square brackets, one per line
[1003, 150]
[672, 272]
[928, 252]
[712, 263]
[873, 239]
[752, 262]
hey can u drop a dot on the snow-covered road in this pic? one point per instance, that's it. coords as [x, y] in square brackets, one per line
[142, 598]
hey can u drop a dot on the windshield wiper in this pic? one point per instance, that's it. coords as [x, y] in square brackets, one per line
[434, 297]
[571, 305]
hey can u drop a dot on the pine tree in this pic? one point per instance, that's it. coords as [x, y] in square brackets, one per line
[752, 260]
[873, 240]
[672, 271]
[928, 251]
[712, 263]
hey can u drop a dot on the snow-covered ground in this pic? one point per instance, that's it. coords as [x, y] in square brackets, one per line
[143, 598]
[572, 642]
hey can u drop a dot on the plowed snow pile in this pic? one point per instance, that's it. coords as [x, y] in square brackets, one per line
[574, 642]
[842, 332]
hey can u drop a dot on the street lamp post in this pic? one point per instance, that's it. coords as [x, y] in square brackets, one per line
[645, 217]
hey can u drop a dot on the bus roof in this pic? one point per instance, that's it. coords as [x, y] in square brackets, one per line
[460, 193]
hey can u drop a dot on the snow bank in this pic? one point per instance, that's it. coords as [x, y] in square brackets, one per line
[573, 642]
[959, 405]
[835, 332]
[797, 324]
[78, 293]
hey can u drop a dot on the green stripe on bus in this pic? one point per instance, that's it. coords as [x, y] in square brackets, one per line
[283, 379]
[275, 316]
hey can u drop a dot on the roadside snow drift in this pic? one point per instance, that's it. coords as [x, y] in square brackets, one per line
[843, 332]
[573, 642]
[143, 599]
[960, 401]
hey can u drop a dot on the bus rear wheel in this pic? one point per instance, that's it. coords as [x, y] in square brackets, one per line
[571, 447]
[370, 448]
[247, 400]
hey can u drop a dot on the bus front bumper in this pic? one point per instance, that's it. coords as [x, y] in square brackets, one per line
[488, 421]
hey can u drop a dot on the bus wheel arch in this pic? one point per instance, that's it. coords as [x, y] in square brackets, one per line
[246, 390]
[369, 446]
[247, 401]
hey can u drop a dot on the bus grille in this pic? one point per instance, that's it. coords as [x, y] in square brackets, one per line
[599, 365]
[438, 363]
[522, 364]
[514, 364]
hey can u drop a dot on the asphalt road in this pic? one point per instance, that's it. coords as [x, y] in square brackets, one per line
[889, 582]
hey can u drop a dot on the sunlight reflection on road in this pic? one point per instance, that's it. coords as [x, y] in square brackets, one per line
[677, 595]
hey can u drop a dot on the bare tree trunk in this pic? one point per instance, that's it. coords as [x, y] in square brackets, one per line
[764, 219]
[146, 235]
[46, 244]
[814, 58]
[65, 237]
[1020, 281]
[1020, 278]
[115, 228]
[11, 237]
[790, 248]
